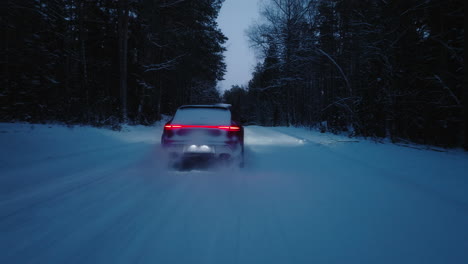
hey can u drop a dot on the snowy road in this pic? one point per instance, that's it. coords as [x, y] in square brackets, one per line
[86, 195]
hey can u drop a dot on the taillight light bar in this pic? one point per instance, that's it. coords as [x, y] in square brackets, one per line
[172, 126]
[227, 128]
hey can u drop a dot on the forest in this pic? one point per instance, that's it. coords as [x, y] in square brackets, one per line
[107, 62]
[380, 69]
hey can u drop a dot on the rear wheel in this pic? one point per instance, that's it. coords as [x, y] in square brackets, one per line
[173, 164]
[241, 158]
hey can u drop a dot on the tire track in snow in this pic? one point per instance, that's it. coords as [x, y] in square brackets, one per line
[54, 188]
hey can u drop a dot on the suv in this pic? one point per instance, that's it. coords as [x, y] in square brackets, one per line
[204, 131]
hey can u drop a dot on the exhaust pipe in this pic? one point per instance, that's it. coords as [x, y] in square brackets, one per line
[224, 156]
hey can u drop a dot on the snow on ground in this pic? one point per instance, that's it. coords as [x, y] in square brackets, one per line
[88, 195]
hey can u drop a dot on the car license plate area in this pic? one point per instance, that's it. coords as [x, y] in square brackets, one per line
[198, 149]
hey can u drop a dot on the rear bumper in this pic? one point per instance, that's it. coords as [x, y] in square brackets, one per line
[223, 151]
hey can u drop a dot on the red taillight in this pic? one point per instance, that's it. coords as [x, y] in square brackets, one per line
[172, 126]
[228, 128]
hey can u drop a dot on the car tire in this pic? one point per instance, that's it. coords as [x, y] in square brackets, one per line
[241, 159]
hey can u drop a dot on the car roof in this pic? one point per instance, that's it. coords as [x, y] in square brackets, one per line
[219, 106]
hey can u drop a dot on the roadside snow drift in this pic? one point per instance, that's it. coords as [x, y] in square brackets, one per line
[88, 195]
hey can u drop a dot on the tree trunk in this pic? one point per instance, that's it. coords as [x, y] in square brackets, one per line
[464, 132]
[123, 43]
[84, 69]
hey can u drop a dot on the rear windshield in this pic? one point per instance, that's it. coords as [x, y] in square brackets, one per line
[202, 116]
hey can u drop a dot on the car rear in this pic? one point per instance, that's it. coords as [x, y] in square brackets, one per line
[204, 131]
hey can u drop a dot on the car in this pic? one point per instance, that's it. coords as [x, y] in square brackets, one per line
[204, 131]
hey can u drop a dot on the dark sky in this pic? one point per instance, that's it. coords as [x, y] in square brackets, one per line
[234, 18]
